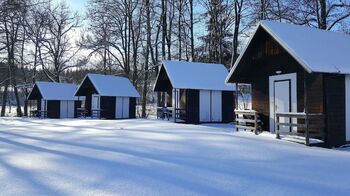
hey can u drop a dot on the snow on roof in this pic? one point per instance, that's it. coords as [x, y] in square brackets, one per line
[108, 85]
[315, 49]
[194, 75]
[57, 91]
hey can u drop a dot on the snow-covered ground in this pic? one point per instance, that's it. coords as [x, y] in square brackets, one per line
[150, 157]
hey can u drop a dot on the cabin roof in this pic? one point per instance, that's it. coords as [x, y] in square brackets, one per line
[108, 85]
[315, 49]
[194, 75]
[54, 91]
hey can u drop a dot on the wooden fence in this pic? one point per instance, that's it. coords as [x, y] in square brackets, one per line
[247, 120]
[308, 125]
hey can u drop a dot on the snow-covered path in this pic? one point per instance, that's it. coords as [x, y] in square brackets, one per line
[149, 157]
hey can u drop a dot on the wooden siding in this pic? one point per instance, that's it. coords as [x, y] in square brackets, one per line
[132, 107]
[325, 92]
[53, 108]
[334, 89]
[108, 107]
[163, 83]
[87, 89]
[266, 56]
[192, 106]
[35, 94]
[38, 104]
[77, 104]
[228, 105]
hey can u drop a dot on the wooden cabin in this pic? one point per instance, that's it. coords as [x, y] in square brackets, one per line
[54, 100]
[108, 97]
[196, 92]
[300, 80]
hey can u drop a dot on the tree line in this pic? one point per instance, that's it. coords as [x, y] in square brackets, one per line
[47, 40]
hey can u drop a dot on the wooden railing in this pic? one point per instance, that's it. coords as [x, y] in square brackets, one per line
[247, 119]
[38, 113]
[163, 112]
[82, 112]
[180, 114]
[96, 113]
[312, 125]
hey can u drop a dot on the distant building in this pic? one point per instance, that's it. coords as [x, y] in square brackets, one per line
[196, 92]
[108, 97]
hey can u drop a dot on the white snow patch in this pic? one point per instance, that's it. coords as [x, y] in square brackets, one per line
[195, 75]
[150, 157]
[109, 85]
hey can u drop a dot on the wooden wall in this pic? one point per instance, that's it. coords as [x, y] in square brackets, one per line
[334, 90]
[53, 108]
[325, 92]
[107, 105]
[132, 107]
[192, 106]
[77, 104]
[87, 89]
[228, 105]
[262, 59]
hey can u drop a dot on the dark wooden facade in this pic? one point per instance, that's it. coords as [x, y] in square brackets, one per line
[107, 103]
[53, 107]
[325, 92]
[189, 100]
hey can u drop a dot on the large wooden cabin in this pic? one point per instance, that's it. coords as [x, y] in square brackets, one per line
[196, 92]
[54, 100]
[108, 97]
[297, 73]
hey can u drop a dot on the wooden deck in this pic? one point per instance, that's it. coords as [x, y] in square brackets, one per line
[309, 125]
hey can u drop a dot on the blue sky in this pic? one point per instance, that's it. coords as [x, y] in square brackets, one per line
[77, 5]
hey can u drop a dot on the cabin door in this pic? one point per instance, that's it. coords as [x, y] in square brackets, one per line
[64, 109]
[70, 109]
[125, 107]
[43, 105]
[122, 107]
[204, 106]
[95, 102]
[282, 99]
[216, 106]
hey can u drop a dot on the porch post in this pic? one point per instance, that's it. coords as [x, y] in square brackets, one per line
[236, 104]
[176, 103]
[306, 110]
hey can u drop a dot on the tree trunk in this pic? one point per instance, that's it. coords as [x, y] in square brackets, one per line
[164, 35]
[191, 30]
[148, 45]
[237, 8]
[323, 14]
[4, 98]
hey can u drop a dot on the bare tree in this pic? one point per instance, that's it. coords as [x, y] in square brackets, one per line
[12, 15]
[58, 49]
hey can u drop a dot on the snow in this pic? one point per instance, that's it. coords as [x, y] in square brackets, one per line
[193, 75]
[316, 50]
[320, 50]
[57, 91]
[108, 85]
[150, 157]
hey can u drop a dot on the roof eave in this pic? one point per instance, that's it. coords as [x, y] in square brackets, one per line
[284, 45]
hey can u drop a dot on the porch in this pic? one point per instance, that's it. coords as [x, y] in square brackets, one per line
[173, 105]
[288, 105]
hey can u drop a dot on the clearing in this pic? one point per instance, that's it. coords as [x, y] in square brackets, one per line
[150, 157]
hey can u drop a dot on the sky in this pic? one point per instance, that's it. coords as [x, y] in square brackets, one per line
[77, 5]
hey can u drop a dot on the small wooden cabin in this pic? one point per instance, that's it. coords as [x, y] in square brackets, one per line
[196, 92]
[114, 97]
[54, 100]
[300, 80]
